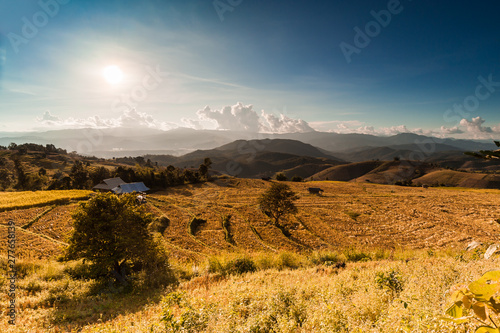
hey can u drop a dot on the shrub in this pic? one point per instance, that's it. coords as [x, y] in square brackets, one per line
[355, 256]
[215, 266]
[325, 258]
[288, 260]
[235, 266]
[33, 287]
[240, 266]
[391, 280]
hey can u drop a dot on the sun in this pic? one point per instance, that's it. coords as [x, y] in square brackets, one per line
[113, 74]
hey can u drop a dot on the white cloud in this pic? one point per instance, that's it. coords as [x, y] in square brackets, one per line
[475, 125]
[366, 130]
[451, 130]
[191, 123]
[284, 124]
[128, 119]
[467, 129]
[238, 117]
[393, 130]
[241, 117]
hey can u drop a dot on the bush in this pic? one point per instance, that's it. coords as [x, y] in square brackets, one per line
[325, 258]
[288, 260]
[235, 266]
[355, 256]
[391, 280]
[240, 266]
[215, 266]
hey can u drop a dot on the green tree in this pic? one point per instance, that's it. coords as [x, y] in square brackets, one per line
[112, 233]
[278, 201]
[22, 178]
[79, 176]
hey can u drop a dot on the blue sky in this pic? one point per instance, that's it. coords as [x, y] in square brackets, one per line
[422, 67]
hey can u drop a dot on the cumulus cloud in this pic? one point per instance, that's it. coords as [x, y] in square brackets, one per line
[366, 130]
[284, 124]
[238, 117]
[129, 119]
[451, 130]
[244, 118]
[475, 125]
[192, 123]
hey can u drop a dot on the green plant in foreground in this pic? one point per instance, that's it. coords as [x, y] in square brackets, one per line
[480, 300]
[391, 280]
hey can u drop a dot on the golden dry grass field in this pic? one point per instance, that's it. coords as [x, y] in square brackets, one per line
[404, 248]
[347, 215]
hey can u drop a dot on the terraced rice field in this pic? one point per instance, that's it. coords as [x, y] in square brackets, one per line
[347, 215]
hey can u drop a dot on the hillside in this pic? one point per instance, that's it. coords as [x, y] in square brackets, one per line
[459, 179]
[257, 158]
[347, 172]
[407, 172]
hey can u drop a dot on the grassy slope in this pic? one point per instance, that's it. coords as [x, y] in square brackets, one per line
[309, 299]
[460, 179]
[389, 172]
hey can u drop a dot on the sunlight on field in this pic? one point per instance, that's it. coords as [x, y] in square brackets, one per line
[20, 200]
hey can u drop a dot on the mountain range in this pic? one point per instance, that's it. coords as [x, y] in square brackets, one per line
[312, 155]
[118, 142]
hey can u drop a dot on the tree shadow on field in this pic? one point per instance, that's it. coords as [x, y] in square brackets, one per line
[101, 303]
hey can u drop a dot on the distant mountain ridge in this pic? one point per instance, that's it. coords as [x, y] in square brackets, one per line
[122, 141]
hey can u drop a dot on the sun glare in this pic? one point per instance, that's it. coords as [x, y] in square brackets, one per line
[113, 74]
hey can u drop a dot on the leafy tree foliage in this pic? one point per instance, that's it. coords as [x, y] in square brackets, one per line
[204, 168]
[278, 201]
[79, 176]
[112, 233]
[478, 300]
